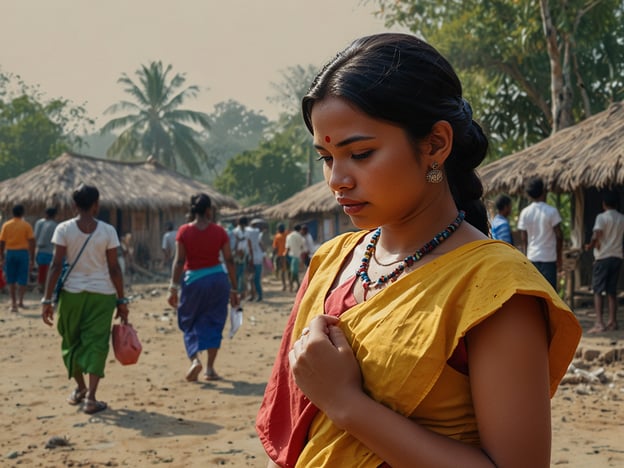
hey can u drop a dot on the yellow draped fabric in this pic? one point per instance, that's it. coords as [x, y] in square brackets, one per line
[404, 335]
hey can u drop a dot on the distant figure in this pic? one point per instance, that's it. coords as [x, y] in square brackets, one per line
[243, 253]
[205, 290]
[168, 244]
[127, 251]
[279, 253]
[92, 291]
[540, 232]
[17, 255]
[310, 246]
[257, 257]
[295, 247]
[44, 228]
[500, 224]
[607, 238]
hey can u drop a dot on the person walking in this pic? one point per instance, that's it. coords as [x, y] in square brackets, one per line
[168, 245]
[279, 253]
[607, 239]
[295, 247]
[44, 229]
[257, 257]
[501, 230]
[92, 291]
[415, 340]
[203, 285]
[17, 255]
[243, 254]
[541, 238]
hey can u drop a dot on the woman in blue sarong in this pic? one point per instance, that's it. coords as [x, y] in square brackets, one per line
[202, 280]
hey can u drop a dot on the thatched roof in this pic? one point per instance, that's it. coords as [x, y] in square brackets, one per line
[126, 185]
[312, 200]
[587, 155]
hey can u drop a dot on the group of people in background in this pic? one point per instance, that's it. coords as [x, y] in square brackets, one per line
[292, 252]
[541, 240]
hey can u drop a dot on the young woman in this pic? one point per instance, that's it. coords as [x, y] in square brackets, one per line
[91, 292]
[416, 341]
[204, 287]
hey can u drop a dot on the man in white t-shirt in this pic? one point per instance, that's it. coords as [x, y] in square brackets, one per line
[169, 245]
[295, 246]
[242, 252]
[257, 256]
[541, 238]
[607, 238]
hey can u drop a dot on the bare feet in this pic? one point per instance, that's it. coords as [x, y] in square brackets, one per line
[612, 326]
[598, 328]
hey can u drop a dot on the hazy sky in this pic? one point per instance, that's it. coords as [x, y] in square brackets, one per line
[77, 49]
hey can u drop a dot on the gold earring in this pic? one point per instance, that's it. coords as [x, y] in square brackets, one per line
[434, 174]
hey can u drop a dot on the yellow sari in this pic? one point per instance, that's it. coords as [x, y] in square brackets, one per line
[402, 338]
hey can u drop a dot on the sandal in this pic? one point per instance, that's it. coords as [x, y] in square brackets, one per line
[212, 375]
[93, 406]
[194, 370]
[77, 396]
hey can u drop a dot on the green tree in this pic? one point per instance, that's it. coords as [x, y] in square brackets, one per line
[531, 67]
[34, 130]
[233, 129]
[289, 91]
[156, 125]
[268, 174]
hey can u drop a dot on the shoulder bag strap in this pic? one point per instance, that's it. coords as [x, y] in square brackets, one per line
[71, 267]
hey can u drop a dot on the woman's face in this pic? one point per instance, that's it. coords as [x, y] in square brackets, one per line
[370, 165]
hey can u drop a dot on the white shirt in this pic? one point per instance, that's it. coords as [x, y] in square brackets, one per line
[295, 244]
[611, 223]
[539, 220]
[253, 234]
[240, 240]
[90, 273]
[169, 241]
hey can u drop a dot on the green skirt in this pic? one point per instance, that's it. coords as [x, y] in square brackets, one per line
[84, 323]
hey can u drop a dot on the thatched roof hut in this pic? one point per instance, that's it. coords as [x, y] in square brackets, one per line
[583, 160]
[587, 155]
[316, 206]
[137, 197]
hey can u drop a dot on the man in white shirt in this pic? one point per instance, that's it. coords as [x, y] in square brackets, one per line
[295, 246]
[242, 253]
[541, 238]
[257, 256]
[169, 245]
[607, 237]
[310, 245]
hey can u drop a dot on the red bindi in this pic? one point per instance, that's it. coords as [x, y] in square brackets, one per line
[327, 139]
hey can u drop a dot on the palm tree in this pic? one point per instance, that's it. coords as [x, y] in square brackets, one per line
[155, 125]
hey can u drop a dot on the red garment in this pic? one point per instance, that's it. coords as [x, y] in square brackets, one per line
[202, 246]
[283, 428]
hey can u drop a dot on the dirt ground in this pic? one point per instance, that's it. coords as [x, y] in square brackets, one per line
[156, 417]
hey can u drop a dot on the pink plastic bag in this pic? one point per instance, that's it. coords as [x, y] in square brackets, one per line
[126, 344]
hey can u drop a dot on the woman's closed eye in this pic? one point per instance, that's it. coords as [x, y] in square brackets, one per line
[325, 159]
[363, 155]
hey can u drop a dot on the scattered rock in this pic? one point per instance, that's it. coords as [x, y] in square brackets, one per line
[57, 441]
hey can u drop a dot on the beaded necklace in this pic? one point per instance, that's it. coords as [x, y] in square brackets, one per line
[408, 261]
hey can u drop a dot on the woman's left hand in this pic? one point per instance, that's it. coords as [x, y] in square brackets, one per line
[122, 313]
[324, 366]
[172, 299]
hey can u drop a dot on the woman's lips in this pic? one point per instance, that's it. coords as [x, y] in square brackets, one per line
[351, 207]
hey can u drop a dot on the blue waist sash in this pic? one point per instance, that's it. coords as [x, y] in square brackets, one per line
[193, 275]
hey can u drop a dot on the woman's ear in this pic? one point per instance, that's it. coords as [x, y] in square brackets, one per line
[439, 141]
